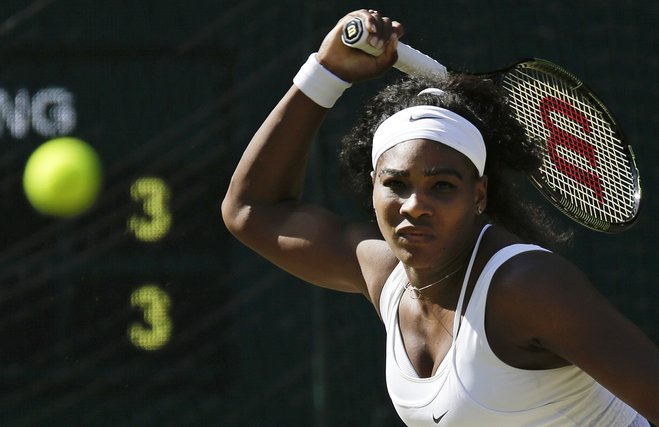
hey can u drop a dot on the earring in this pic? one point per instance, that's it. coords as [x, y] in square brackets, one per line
[479, 210]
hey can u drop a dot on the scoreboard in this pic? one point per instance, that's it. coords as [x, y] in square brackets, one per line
[120, 302]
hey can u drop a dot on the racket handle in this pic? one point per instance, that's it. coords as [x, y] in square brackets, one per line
[410, 60]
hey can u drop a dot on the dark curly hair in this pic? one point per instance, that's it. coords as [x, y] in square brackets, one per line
[509, 150]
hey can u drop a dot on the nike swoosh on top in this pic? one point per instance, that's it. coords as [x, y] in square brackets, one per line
[438, 419]
[415, 117]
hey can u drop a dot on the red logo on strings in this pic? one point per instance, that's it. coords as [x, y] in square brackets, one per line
[559, 137]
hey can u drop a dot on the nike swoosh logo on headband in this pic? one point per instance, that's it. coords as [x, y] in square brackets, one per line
[438, 419]
[415, 117]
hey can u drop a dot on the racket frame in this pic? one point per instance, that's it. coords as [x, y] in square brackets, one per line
[411, 61]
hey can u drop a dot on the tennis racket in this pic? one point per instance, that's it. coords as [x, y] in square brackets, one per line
[589, 170]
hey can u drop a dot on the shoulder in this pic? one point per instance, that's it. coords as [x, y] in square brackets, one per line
[529, 270]
[537, 277]
[540, 295]
[546, 313]
[377, 262]
[538, 272]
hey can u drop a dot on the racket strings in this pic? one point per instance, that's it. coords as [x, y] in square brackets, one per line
[585, 160]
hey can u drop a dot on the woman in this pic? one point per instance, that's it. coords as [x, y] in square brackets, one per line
[483, 328]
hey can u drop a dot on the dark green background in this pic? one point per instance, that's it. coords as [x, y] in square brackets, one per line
[175, 90]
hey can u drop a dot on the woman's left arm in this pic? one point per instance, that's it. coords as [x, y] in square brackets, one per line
[570, 318]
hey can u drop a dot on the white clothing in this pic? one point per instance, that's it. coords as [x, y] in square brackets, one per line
[473, 387]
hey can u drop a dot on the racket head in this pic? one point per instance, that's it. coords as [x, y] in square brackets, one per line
[588, 170]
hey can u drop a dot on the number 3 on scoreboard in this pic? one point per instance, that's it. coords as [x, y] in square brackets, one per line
[153, 194]
[154, 303]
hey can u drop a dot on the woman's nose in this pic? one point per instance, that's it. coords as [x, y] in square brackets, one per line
[415, 206]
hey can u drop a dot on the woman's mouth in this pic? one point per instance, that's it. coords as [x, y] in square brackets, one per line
[414, 234]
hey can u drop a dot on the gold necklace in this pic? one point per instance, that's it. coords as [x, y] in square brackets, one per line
[416, 292]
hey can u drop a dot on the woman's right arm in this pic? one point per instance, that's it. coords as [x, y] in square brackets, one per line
[263, 206]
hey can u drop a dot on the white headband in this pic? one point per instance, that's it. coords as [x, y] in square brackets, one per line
[435, 124]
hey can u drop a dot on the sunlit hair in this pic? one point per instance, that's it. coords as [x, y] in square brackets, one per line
[509, 152]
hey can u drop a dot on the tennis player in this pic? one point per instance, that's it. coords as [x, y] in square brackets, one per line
[485, 326]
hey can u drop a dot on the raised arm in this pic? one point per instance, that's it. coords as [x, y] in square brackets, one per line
[263, 206]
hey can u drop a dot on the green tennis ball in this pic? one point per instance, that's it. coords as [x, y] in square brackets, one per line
[63, 177]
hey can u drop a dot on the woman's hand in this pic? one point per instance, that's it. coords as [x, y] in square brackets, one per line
[353, 65]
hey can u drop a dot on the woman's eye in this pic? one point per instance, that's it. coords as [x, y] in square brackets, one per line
[444, 185]
[393, 183]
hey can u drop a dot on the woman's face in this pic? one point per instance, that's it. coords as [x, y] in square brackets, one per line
[426, 197]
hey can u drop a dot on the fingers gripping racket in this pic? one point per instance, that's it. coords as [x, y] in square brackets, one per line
[589, 170]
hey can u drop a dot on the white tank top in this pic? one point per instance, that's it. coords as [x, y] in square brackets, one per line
[473, 387]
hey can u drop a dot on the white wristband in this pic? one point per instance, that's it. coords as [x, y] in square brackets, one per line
[319, 83]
